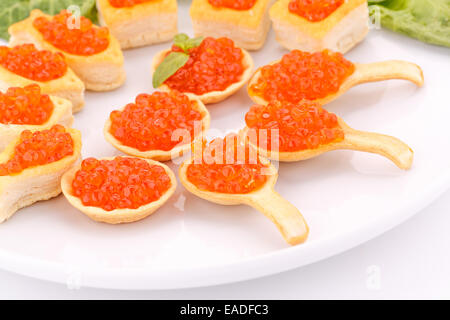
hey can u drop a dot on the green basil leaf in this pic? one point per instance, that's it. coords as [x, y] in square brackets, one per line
[193, 42]
[185, 43]
[170, 65]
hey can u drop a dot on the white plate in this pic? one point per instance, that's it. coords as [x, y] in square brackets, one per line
[346, 197]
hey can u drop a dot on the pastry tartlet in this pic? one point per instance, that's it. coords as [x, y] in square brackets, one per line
[246, 22]
[138, 23]
[31, 167]
[27, 109]
[92, 52]
[160, 126]
[224, 69]
[118, 190]
[323, 24]
[23, 65]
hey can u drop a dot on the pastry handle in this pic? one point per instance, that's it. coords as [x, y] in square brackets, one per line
[283, 214]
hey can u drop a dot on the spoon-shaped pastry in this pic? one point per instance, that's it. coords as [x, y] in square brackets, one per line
[96, 188]
[307, 131]
[249, 184]
[322, 76]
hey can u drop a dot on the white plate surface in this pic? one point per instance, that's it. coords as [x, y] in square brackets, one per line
[346, 197]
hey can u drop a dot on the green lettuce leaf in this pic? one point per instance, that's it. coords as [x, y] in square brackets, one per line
[12, 11]
[426, 20]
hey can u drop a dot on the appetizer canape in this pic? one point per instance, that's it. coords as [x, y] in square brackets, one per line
[27, 109]
[286, 131]
[24, 64]
[92, 53]
[118, 190]
[314, 25]
[246, 22]
[160, 126]
[206, 69]
[322, 76]
[138, 23]
[31, 167]
[228, 172]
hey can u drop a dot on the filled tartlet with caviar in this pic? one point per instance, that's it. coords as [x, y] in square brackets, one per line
[228, 172]
[315, 25]
[23, 65]
[118, 190]
[137, 23]
[246, 22]
[322, 76]
[28, 109]
[207, 69]
[287, 131]
[32, 165]
[159, 126]
[91, 51]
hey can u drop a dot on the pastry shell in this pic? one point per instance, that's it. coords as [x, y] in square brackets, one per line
[116, 216]
[160, 155]
[35, 183]
[100, 72]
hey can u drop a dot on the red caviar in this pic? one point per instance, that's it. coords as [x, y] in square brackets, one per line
[119, 183]
[38, 148]
[126, 3]
[84, 40]
[314, 10]
[300, 126]
[233, 4]
[29, 62]
[25, 106]
[150, 123]
[234, 171]
[212, 66]
[302, 75]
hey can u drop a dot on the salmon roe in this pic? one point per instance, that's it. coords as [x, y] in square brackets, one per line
[25, 106]
[301, 126]
[150, 122]
[84, 40]
[29, 62]
[212, 66]
[126, 3]
[228, 172]
[233, 4]
[119, 183]
[38, 148]
[314, 10]
[302, 75]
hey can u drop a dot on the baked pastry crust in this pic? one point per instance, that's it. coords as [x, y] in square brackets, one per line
[68, 87]
[160, 155]
[247, 28]
[340, 31]
[116, 216]
[35, 183]
[62, 114]
[213, 96]
[143, 24]
[100, 72]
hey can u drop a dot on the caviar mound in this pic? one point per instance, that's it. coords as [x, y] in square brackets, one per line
[212, 66]
[151, 123]
[38, 148]
[31, 63]
[293, 127]
[126, 3]
[85, 39]
[120, 183]
[314, 10]
[233, 4]
[25, 106]
[227, 166]
[302, 75]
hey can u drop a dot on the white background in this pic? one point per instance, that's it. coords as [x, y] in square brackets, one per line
[412, 261]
